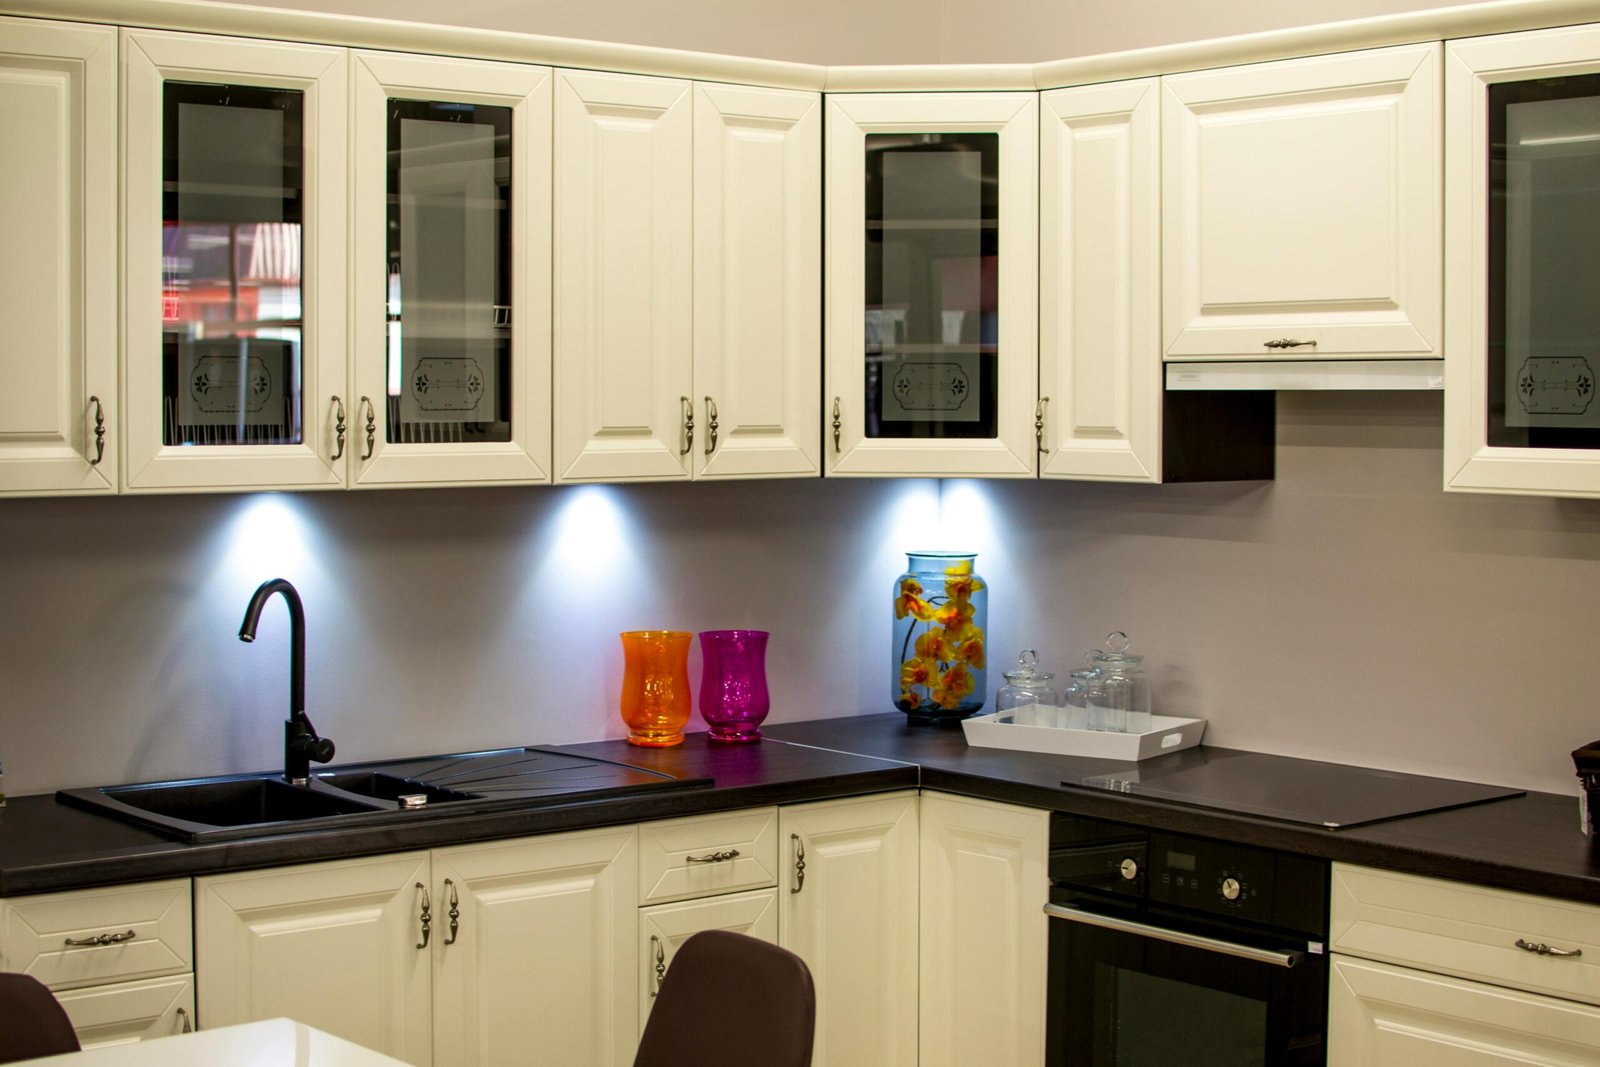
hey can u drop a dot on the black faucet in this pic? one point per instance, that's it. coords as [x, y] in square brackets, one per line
[301, 744]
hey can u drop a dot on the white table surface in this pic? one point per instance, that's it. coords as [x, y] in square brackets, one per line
[272, 1043]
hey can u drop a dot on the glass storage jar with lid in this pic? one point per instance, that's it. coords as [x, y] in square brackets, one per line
[1027, 698]
[1120, 694]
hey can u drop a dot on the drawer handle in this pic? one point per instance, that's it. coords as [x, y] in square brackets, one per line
[1545, 950]
[100, 939]
[714, 857]
[661, 964]
[183, 1017]
[1288, 342]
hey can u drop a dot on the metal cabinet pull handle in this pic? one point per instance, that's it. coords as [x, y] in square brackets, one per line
[99, 431]
[838, 424]
[1038, 424]
[711, 425]
[372, 427]
[427, 916]
[688, 425]
[661, 963]
[455, 913]
[714, 857]
[1288, 342]
[1546, 950]
[100, 939]
[338, 428]
[799, 863]
[187, 1026]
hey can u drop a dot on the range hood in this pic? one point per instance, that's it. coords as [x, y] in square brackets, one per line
[1247, 375]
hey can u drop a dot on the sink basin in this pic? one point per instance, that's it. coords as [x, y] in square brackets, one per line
[234, 807]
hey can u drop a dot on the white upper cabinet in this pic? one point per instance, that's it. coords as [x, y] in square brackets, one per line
[1522, 221]
[234, 263]
[931, 280]
[757, 282]
[58, 212]
[450, 295]
[1300, 208]
[1100, 383]
[624, 407]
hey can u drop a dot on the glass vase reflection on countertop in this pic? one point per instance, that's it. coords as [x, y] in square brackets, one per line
[937, 652]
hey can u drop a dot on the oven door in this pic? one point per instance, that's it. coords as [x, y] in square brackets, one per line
[1132, 992]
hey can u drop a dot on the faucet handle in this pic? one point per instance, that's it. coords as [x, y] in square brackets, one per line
[320, 749]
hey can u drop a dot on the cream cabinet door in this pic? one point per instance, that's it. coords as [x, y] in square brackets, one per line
[757, 282]
[1300, 208]
[431, 372]
[982, 949]
[848, 900]
[58, 216]
[928, 255]
[534, 950]
[1100, 382]
[1472, 67]
[234, 324]
[663, 928]
[624, 405]
[339, 946]
[1385, 1016]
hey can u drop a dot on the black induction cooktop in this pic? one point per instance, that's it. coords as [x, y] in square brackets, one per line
[1330, 795]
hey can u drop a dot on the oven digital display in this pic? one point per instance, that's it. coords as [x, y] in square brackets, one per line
[1180, 861]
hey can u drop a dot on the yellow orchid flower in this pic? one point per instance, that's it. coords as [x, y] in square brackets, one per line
[971, 650]
[933, 646]
[910, 699]
[910, 601]
[961, 587]
[957, 680]
[914, 672]
[960, 566]
[954, 614]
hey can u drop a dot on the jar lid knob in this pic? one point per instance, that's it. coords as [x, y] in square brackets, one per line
[1117, 641]
[1028, 659]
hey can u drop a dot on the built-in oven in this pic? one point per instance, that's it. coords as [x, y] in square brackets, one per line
[1167, 950]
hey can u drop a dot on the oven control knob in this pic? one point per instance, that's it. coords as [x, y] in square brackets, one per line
[1231, 889]
[1129, 869]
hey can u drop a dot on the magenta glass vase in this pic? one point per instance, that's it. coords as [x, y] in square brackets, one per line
[733, 683]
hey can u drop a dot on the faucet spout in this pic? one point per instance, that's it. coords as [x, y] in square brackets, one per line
[301, 744]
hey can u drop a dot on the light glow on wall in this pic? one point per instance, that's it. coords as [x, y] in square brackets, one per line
[269, 538]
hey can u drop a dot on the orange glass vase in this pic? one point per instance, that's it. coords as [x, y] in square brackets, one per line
[655, 686]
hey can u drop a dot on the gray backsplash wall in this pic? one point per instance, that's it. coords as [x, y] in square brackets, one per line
[1348, 610]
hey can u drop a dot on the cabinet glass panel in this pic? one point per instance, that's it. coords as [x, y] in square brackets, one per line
[932, 243]
[449, 333]
[1544, 257]
[231, 277]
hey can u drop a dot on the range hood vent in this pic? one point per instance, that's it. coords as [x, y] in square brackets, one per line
[1307, 374]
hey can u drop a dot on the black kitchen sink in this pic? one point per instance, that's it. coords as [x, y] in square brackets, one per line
[233, 807]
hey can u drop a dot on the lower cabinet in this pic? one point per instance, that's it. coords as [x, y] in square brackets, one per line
[484, 954]
[984, 885]
[1433, 972]
[663, 928]
[120, 960]
[848, 907]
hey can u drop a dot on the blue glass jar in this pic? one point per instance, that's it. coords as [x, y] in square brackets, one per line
[938, 656]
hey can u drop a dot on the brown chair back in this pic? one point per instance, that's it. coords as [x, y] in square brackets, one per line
[729, 1000]
[32, 1022]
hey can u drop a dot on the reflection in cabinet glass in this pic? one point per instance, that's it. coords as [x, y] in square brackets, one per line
[449, 278]
[232, 196]
[1544, 254]
[932, 246]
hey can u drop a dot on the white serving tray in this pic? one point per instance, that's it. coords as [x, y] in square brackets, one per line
[1169, 735]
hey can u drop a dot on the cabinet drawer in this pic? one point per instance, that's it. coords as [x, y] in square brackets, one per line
[36, 934]
[1469, 931]
[131, 1011]
[665, 927]
[706, 854]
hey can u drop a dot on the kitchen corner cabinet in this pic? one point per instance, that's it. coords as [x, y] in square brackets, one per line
[59, 408]
[982, 947]
[460, 956]
[120, 960]
[1300, 208]
[931, 237]
[1426, 971]
[234, 279]
[1522, 217]
[686, 289]
[450, 378]
[1100, 382]
[848, 907]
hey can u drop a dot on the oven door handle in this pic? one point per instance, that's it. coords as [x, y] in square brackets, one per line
[1176, 937]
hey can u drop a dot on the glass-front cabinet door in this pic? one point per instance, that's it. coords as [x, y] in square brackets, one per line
[931, 280]
[235, 263]
[1522, 206]
[451, 272]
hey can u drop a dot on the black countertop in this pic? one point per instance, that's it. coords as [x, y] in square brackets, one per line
[1529, 843]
